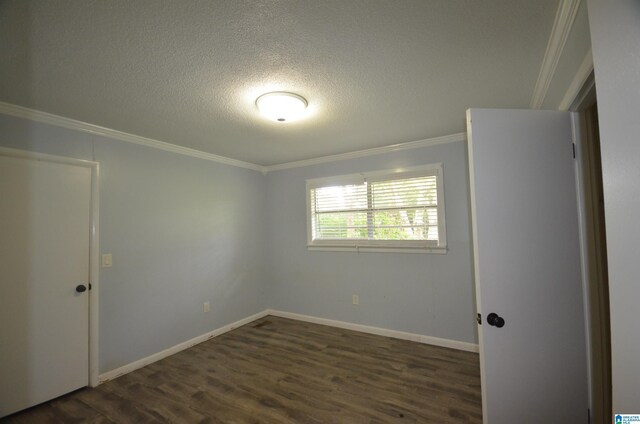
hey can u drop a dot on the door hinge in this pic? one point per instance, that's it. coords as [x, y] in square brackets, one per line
[573, 147]
[479, 319]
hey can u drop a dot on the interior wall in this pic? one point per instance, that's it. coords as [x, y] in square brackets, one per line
[615, 35]
[428, 294]
[182, 231]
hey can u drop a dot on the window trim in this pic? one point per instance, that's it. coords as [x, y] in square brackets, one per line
[404, 246]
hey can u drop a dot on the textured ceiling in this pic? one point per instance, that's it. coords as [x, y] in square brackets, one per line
[375, 73]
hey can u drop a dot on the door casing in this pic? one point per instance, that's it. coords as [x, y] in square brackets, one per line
[93, 247]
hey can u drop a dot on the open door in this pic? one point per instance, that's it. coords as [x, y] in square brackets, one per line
[527, 267]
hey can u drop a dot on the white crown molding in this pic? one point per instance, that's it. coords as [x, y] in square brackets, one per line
[370, 152]
[565, 16]
[60, 121]
[585, 69]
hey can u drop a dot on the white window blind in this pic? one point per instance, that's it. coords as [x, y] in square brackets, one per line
[378, 209]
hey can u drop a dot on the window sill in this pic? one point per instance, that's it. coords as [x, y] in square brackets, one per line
[377, 249]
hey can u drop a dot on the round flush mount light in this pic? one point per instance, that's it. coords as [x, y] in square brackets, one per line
[281, 106]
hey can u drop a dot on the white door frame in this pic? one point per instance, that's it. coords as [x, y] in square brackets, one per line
[582, 232]
[93, 246]
[582, 97]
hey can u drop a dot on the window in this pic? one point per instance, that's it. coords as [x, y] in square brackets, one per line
[385, 210]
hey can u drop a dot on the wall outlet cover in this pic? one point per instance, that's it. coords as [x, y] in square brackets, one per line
[107, 260]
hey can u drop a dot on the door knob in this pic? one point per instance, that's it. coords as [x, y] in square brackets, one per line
[495, 320]
[81, 288]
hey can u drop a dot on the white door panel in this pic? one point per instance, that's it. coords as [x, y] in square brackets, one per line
[527, 266]
[44, 255]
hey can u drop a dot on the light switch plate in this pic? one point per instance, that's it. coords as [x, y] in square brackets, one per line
[107, 260]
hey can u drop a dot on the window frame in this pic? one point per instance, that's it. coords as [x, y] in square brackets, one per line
[362, 245]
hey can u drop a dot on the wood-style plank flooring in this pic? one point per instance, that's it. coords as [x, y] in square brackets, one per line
[276, 370]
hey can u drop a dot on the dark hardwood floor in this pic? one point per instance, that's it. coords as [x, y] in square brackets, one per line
[276, 370]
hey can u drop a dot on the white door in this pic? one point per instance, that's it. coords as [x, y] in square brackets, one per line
[527, 266]
[44, 256]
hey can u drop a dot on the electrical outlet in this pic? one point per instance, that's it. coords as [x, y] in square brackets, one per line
[107, 260]
[206, 306]
[356, 299]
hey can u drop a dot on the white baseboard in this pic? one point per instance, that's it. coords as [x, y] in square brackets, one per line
[110, 375]
[436, 341]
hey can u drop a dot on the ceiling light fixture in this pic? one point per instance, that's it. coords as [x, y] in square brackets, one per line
[281, 106]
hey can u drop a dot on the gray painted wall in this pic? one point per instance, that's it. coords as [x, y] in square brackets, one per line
[428, 294]
[615, 34]
[181, 230]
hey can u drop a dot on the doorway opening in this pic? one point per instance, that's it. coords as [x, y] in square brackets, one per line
[594, 251]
